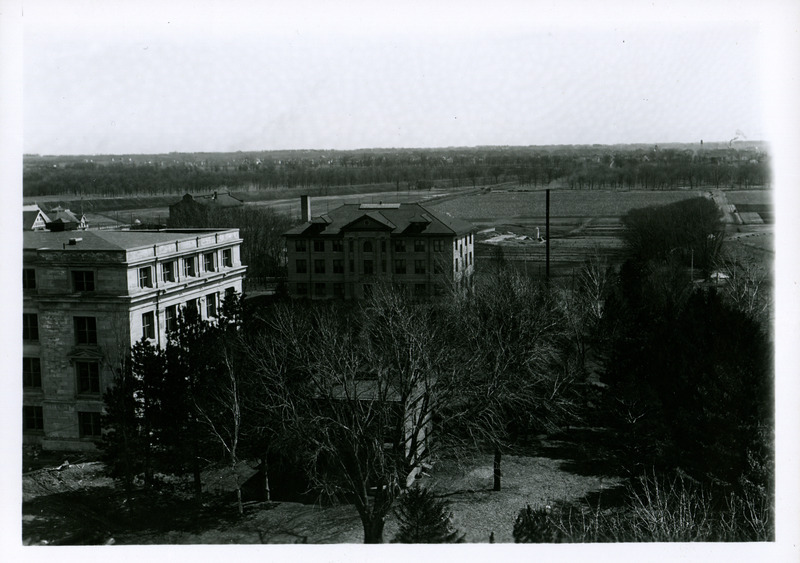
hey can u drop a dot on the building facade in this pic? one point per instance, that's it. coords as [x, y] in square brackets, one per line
[348, 251]
[88, 296]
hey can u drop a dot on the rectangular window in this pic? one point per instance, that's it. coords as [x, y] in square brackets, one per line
[438, 290]
[88, 377]
[337, 245]
[319, 289]
[227, 258]
[32, 418]
[302, 289]
[319, 246]
[367, 289]
[211, 305]
[419, 290]
[419, 245]
[148, 325]
[209, 262]
[338, 266]
[399, 266]
[31, 373]
[301, 266]
[89, 424]
[188, 267]
[438, 245]
[399, 245]
[85, 330]
[419, 266]
[168, 271]
[300, 245]
[338, 290]
[352, 265]
[82, 280]
[437, 267]
[190, 308]
[456, 264]
[368, 268]
[383, 265]
[171, 317]
[319, 266]
[30, 326]
[28, 278]
[145, 277]
[350, 245]
[383, 246]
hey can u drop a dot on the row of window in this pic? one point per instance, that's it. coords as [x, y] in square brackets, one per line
[87, 375]
[171, 313]
[420, 266]
[320, 289]
[85, 328]
[337, 245]
[83, 281]
[88, 422]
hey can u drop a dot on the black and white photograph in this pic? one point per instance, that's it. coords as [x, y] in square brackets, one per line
[303, 274]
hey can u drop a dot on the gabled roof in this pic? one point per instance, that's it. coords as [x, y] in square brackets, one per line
[399, 218]
[216, 199]
[61, 215]
[29, 215]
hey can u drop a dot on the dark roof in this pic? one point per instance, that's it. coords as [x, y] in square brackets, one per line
[104, 240]
[60, 215]
[398, 218]
[217, 199]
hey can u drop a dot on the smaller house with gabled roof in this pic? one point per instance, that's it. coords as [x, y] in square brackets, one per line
[33, 218]
[347, 251]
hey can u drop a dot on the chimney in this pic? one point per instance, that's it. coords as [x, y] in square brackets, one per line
[305, 208]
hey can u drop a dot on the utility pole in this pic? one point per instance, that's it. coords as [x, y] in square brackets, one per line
[547, 235]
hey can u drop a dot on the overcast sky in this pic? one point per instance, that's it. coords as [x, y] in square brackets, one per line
[142, 79]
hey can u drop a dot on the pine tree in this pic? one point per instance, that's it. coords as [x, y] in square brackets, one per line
[425, 519]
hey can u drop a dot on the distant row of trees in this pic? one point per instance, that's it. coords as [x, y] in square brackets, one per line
[573, 167]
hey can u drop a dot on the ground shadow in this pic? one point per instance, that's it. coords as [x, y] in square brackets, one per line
[582, 451]
[94, 517]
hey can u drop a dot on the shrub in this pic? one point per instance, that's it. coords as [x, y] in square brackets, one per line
[425, 519]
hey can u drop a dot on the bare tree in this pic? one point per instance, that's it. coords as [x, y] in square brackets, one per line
[220, 409]
[513, 371]
[746, 283]
[352, 393]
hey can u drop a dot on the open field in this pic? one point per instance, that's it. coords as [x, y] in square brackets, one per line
[156, 209]
[582, 222]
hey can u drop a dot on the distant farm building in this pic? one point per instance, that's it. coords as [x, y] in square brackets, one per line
[194, 210]
[33, 218]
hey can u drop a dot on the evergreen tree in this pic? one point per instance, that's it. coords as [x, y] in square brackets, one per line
[425, 519]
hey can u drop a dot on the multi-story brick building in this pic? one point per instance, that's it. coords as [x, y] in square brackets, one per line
[88, 296]
[347, 251]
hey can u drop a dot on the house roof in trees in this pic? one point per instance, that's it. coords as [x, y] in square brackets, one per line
[398, 218]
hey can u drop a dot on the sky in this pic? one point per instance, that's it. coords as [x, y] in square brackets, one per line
[140, 78]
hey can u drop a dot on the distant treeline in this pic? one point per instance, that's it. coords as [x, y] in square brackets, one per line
[575, 167]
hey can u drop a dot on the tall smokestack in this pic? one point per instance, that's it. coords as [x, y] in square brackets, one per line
[305, 208]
